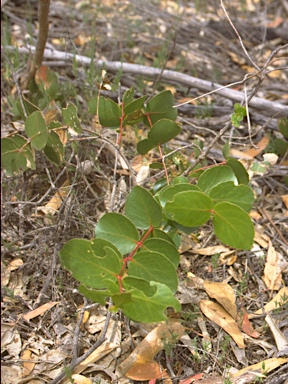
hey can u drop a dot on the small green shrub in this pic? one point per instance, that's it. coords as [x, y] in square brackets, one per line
[133, 258]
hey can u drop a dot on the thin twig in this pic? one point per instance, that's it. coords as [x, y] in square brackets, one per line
[80, 359]
[240, 38]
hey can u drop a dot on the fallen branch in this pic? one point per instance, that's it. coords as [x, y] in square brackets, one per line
[265, 106]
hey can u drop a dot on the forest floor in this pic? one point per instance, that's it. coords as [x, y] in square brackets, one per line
[46, 323]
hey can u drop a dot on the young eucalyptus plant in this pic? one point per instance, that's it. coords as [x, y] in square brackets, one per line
[133, 258]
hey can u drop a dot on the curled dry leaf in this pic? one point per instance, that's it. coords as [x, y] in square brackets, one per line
[56, 201]
[278, 301]
[224, 294]
[222, 318]
[153, 343]
[246, 325]
[272, 271]
[266, 365]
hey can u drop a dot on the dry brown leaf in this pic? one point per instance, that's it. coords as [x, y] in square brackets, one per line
[246, 325]
[79, 379]
[40, 310]
[153, 343]
[218, 314]
[147, 371]
[253, 152]
[228, 258]
[285, 200]
[224, 294]
[192, 379]
[210, 251]
[277, 302]
[28, 364]
[100, 352]
[272, 271]
[261, 239]
[56, 201]
[269, 365]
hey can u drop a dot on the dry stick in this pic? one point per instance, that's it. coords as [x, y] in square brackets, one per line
[240, 39]
[266, 106]
[43, 11]
[80, 359]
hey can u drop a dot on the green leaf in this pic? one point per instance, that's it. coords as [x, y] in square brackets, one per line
[180, 180]
[92, 106]
[168, 192]
[280, 146]
[144, 146]
[133, 111]
[148, 309]
[128, 96]
[160, 107]
[54, 149]
[109, 113]
[142, 209]
[233, 226]
[36, 129]
[95, 263]
[239, 170]
[283, 126]
[189, 208]
[239, 109]
[165, 248]
[240, 195]
[119, 230]
[226, 149]
[97, 295]
[214, 176]
[141, 284]
[158, 233]
[153, 266]
[30, 157]
[29, 108]
[71, 119]
[163, 131]
[16, 154]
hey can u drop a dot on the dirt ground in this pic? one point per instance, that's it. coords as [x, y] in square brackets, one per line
[189, 37]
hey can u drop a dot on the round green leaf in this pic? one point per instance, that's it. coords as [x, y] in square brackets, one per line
[16, 154]
[164, 247]
[233, 226]
[144, 146]
[163, 131]
[240, 195]
[71, 119]
[158, 233]
[147, 308]
[239, 170]
[142, 209]
[160, 107]
[36, 129]
[153, 266]
[214, 176]
[98, 295]
[168, 192]
[189, 208]
[109, 113]
[119, 230]
[54, 149]
[95, 263]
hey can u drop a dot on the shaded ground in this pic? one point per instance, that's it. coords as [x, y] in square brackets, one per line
[189, 37]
